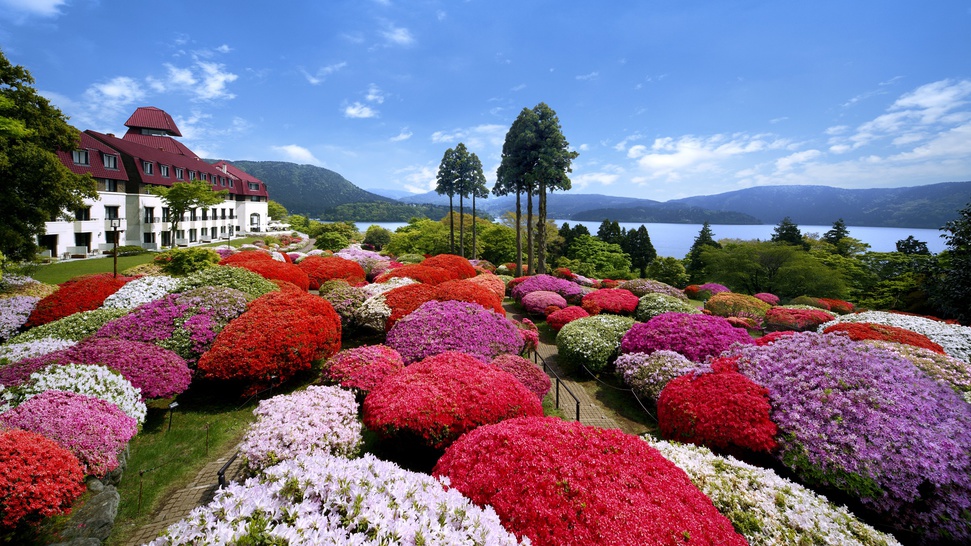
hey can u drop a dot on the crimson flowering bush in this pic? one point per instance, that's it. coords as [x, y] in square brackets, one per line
[569, 290]
[363, 368]
[466, 290]
[38, 478]
[419, 272]
[779, 319]
[244, 256]
[439, 326]
[92, 429]
[274, 270]
[462, 268]
[84, 293]
[444, 396]
[697, 337]
[558, 319]
[771, 299]
[583, 485]
[618, 301]
[866, 421]
[838, 306]
[723, 410]
[280, 335]
[321, 269]
[860, 331]
[642, 287]
[536, 303]
[529, 374]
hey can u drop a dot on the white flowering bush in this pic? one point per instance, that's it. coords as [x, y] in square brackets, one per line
[13, 352]
[592, 341]
[322, 499]
[72, 327]
[647, 374]
[92, 380]
[318, 419]
[374, 313]
[954, 338]
[139, 291]
[376, 288]
[766, 508]
[653, 304]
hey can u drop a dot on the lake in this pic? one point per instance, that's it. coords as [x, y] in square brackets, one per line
[676, 239]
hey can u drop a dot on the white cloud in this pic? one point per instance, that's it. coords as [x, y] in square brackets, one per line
[417, 178]
[397, 36]
[405, 134]
[786, 163]
[43, 8]
[115, 95]
[297, 154]
[359, 111]
[590, 76]
[479, 139]
[180, 76]
[224, 48]
[584, 180]
[321, 75]
[622, 145]
[673, 159]
[214, 81]
[374, 94]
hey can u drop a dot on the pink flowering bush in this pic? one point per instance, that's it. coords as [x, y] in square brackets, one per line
[92, 429]
[529, 374]
[439, 326]
[569, 290]
[38, 479]
[363, 368]
[771, 299]
[536, 303]
[558, 319]
[697, 337]
[493, 283]
[564, 483]
[444, 396]
[617, 301]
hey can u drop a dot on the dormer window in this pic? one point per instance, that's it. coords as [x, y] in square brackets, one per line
[80, 157]
[164, 170]
[202, 176]
[192, 175]
[254, 186]
[110, 161]
[179, 173]
[148, 167]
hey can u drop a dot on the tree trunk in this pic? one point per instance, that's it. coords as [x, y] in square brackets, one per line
[529, 232]
[462, 224]
[519, 235]
[451, 227]
[473, 226]
[541, 231]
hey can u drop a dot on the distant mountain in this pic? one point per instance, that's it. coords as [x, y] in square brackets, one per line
[393, 194]
[664, 213]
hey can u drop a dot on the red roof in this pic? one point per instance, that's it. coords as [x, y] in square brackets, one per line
[163, 143]
[96, 164]
[150, 117]
[244, 179]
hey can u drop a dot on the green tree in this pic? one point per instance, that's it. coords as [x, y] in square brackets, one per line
[788, 232]
[469, 181]
[276, 210]
[478, 191]
[447, 184]
[951, 290]
[550, 171]
[420, 236]
[840, 238]
[597, 258]
[694, 263]
[512, 177]
[377, 236]
[38, 187]
[609, 232]
[782, 269]
[181, 197]
[637, 244]
[669, 271]
[498, 244]
[911, 245]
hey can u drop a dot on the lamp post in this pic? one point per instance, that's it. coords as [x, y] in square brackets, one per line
[115, 224]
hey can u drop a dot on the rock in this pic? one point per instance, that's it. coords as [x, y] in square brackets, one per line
[96, 518]
[114, 477]
[94, 484]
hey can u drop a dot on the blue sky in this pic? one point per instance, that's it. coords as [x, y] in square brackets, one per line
[661, 99]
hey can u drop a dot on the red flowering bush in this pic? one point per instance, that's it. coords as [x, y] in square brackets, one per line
[419, 272]
[564, 273]
[590, 307]
[613, 300]
[363, 368]
[512, 284]
[859, 331]
[564, 483]
[559, 319]
[704, 291]
[466, 290]
[771, 299]
[38, 478]
[535, 303]
[84, 293]
[529, 374]
[444, 396]
[838, 306]
[458, 265]
[796, 320]
[405, 299]
[279, 335]
[772, 337]
[246, 256]
[277, 271]
[321, 269]
[723, 410]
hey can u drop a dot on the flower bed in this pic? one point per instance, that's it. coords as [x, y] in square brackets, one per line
[778, 319]
[859, 331]
[84, 293]
[697, 337]
[569, 290]
[771, 299]
[38, 478]
[321, 269]
[345, 299]
[363, 368]
[141, 291]
[456, 264]
[274, 270]
[444, 396]
[419, 272]
[321, 499]
[439, 326]
[560, 318]
[617, 301]
[731, 304]
[767, 509]
[647, 374]
[229, 277]
[654, 304]
[536, 303]
[72, 327]
[643, 287]
[591, 341]
[91, 380]
[585, 485]
[954, 338]
[316, 420]
[529, 374]
[866, 421]
[14, 312]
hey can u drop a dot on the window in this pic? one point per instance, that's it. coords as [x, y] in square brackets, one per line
[223, 216]
[179, 173]
[164, 170]
[254, 198]
[230, 183]
[165, 214]
[222, 181]
[111, 213]
[192, 175]
[192, 215]
[192, 235]
[80, 157]
[150, 217]
[82, 214]
[254, 186]
[111, 161]
[148, 237]
[205, 214]
[202, 176]
[212, 233]
[147, 167]
[111, 185]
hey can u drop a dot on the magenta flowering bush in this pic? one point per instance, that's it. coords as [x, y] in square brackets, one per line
[569, 290]
[94, 430]
[439, 326]
[363, 368]
[529, 374]
[14, 312]
[697, 337]
[866, 421]
[536, 303]
[771, 299]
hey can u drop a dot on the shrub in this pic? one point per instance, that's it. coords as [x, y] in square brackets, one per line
[596, 486]
[810, 301]
[244, 256]
[647, 374]
[953, 372]
[419, 272]
[320, 269]
[444, 396]
[697, 337]
[731, 304]
[320, 499]
[829, 392]
[140, 291]
[229, 277]
[592, 341]
[653, 304]
[180, 262]
[569, 290]
[15, 352]
[458, 265]
[536, 303]
[72, 327]
[643, 287]
[859, 331]
[14, 312]
[439, 326]
[84, 293]
[345, 299]
[529, 374]
[274, 270]
[558, 319]
[316, 420]
[723, 410]
[838, 306]
[617, 301]
[704, 291]
[790, 319]
[280, 335]
[92, 380]
[771, 299]
[38, 478]
[954, 338]
[766, 508]
[493, 283]
[363, 368]
[19, 285]
[92, 429]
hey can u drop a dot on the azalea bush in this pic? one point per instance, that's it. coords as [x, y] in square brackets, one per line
[320, 269]
[458, 265]
[404, 300]
[765, 508]
[722, 409]
[571, 291]
[643, 287]
[954, 338]
[593, 341]
[457, 326]
[859, 331]
[617, 301]
[185, 261]
[72, 327]
[274, 270]
[363, 368]
[811, 301]
[697, 337]
[280, 335]
[319, 419]
[444, 396]
[92, 429]
[704, 291]
[953, 372]
[14, 312]
[84, 293]
[647, 374]
[536, 303]
[419, 272]
[771, 299]
[561, 317]
[38, 478]
[493, 283]
[229, 277]
[585, 485]
[344, 298]
[840, 307]
[247, 255]
[866, 421]
[140, 291]
[731, 304]
[653, 304]
[14, 352]
[791, 319]
[529, 374]
[91, 380]
[320, 499]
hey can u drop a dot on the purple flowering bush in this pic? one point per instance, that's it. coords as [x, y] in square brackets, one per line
[647, 374]
[866, 421]
[568, 289]
[953, 372]
[535, 303]
[439, 326]
[14, 312]
[345, 299]
[94, 430]
[697, 337]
